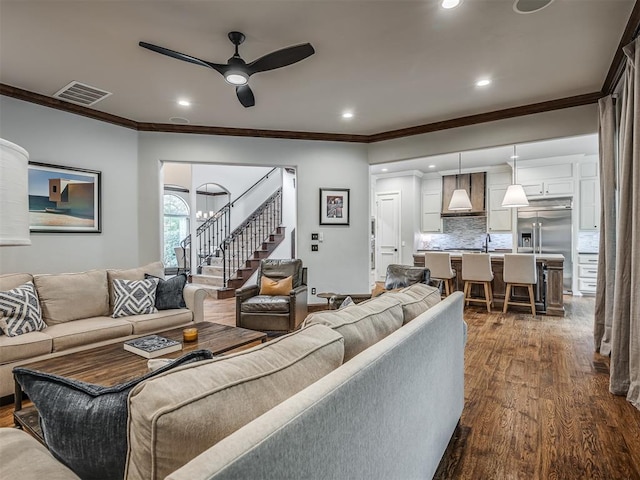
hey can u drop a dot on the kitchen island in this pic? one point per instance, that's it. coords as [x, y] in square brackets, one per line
[548, 290]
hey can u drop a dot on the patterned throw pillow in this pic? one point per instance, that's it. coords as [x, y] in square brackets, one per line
[134, 297]
[20, 311]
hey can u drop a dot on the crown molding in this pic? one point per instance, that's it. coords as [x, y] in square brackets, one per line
[51, 102]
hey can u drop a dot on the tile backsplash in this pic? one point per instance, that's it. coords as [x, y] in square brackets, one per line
[464, 232]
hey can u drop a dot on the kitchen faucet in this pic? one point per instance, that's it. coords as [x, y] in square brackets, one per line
[487, 239]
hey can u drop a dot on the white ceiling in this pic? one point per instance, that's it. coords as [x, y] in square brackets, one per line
[394, 63]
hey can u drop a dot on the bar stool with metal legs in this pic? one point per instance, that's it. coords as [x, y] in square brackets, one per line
[476, 269]
[519, 271]
[439, 265]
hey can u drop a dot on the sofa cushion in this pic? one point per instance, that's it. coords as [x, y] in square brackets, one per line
[88, 330]
[24, 346]
[176, 416]
[134, 297]
[169, 292]
[13, 280]
[20, 311]
[416, 299]
[70, 296]
[85, 425]
[155, 269]
[24, 457]
[162, 320]
[362, 324]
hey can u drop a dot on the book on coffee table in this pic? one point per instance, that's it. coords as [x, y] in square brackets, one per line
[152, 346]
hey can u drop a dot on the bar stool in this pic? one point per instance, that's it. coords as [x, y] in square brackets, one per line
[439, 264]
[519, 271]
[476, 269]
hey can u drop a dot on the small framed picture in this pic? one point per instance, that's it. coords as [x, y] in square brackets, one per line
[334, 206]
[63, 199]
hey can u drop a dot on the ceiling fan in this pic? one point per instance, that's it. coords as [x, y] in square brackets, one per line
[236, 71]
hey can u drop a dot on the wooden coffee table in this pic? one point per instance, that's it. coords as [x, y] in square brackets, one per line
[111, 364]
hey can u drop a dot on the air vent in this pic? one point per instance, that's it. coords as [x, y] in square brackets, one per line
[81, 94]
[530, 6]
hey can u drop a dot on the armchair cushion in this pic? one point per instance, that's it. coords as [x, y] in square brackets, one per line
[266, 304]
[271, 286]
[282, 268]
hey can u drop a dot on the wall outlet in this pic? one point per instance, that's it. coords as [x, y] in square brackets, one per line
[314, 248]
[313, 291]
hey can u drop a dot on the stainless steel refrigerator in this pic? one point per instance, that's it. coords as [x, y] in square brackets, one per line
[545, 227]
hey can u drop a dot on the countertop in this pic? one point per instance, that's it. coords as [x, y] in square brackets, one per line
[544, 256]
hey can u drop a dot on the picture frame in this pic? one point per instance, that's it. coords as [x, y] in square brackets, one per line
[334, 206]
[64, 199]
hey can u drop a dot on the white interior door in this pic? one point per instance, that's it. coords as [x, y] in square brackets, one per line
[388, 232]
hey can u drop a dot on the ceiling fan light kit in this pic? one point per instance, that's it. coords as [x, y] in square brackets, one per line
[236, 71]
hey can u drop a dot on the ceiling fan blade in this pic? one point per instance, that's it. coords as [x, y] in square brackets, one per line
[245, 95]
[183, 57]
[280, 58]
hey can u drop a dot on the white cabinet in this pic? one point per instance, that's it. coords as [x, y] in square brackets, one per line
[589, 201]
[431, 220]
[546, 180]
[587, 273]
[589, 204]
[499, 217]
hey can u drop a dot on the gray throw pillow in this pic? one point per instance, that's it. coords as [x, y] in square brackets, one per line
[20, 311]
[169, 292]
[85, 425]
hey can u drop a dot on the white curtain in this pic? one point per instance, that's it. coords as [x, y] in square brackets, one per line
[617, 327]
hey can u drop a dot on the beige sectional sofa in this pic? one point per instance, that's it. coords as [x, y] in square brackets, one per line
[77, 308]
[374, 390]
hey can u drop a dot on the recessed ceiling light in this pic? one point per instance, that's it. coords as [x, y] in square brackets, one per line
[432, 166]
[450, 3]
[385, 169]
[483, 82]
[184, 103]
[347, 115]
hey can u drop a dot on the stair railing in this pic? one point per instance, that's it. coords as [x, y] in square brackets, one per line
[242, 243]
[211, 233]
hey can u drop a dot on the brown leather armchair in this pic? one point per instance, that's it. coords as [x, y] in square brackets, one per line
[274, 313]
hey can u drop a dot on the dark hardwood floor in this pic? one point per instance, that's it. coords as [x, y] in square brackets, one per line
[537, 404]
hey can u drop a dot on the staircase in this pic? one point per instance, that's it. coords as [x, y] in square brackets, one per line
[229, 264]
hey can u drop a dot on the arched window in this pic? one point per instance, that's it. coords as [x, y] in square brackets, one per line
[176, 226]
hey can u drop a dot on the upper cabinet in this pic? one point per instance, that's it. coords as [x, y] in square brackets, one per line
[431, 201]
[473, 183]
[589, 201]
[549, 180]
[499, 218]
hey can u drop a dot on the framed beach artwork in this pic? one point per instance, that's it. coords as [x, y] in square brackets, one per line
[334, 206]
[63, 199]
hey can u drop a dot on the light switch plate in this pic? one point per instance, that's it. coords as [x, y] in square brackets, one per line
[314, 248]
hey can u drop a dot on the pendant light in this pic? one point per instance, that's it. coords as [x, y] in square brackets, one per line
[515, 196]
[460, 198]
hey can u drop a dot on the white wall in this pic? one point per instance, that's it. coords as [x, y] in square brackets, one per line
[342, 264]
[541, 126]
[59, 138]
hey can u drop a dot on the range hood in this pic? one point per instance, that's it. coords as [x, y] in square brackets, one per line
[474, 184]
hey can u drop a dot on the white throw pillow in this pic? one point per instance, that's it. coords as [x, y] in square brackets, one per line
[134, 297]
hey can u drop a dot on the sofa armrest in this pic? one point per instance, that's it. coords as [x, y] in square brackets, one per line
[194, 298]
